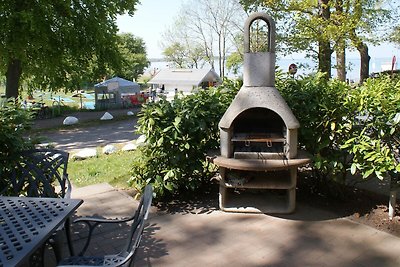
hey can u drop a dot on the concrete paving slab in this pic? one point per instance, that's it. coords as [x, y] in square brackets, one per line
[198, 233]
[191, 235]
[81, 192]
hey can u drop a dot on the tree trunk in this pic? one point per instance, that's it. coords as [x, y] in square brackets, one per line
[361, 47]
[340, 47]
[324, 58]
[341, 63]
[220, 48]
[324, 53]
[365, 58]
[13, 75]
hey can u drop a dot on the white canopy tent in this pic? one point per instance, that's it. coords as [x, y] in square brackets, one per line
[109, 93]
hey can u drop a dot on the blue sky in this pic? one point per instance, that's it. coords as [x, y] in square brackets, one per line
[152, 18]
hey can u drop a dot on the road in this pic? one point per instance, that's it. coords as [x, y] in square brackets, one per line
[80, 137]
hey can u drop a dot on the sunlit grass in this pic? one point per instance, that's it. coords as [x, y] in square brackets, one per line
[113, 169]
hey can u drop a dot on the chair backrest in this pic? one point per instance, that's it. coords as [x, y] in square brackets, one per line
[40, 173]
[138, 223]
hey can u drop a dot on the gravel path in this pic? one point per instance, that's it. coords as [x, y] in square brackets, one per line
[80, 136]
[93, 136]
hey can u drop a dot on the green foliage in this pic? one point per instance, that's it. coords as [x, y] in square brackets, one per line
[324, 121]
[14, 123]
[347, 130]
[375, 144]
[134, 58]
[185, 54]
[234, 62]
[55, 44]
[318, 28]
[178, 136]
[395, 35]
[176, 54]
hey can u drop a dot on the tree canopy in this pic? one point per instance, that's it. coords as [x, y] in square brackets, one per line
[320, 27]
[53, 44]
[395, 36]
[204, 32]
[134, 57]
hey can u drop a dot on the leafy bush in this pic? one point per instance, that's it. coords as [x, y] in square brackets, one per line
[376, 142]
[347, 129]
[14, 122]
[178, 136]
[325, 123]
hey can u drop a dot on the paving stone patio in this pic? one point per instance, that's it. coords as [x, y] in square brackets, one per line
[198, 234]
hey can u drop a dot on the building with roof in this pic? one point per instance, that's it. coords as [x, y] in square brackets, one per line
[184, 80]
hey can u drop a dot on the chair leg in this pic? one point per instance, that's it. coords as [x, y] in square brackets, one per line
[37, 258]
[57, 246]
[57, 242]
[68, 234]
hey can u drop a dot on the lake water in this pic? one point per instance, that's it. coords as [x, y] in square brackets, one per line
[307, 66]
[352, 65]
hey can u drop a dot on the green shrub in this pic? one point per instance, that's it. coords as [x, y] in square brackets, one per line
[347, 129]
[376, 142]
[178, 136]
[14, 123]
[180, 133]
[325, 122]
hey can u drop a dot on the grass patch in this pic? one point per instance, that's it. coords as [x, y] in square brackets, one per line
[113, 169]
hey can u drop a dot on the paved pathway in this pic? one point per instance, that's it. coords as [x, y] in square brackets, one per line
[198, 234]
[93, 136]
[79, 136]
[83, 116]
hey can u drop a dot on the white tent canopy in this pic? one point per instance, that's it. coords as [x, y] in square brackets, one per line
[109, 94]
[118, 84]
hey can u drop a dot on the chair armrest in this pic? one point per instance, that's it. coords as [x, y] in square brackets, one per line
[69, 188]
[98, 221]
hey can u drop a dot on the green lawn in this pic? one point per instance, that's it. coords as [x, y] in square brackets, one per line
[113, 169]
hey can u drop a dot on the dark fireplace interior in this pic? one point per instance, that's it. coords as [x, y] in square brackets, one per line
[259, 122]
[258, 130]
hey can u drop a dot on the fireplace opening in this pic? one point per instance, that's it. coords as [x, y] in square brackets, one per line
[259, 121]
[258, 133]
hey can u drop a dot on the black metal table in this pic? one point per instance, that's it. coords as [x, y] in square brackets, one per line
[26, 223]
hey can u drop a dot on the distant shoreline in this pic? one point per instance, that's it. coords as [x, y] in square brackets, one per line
[306, 65]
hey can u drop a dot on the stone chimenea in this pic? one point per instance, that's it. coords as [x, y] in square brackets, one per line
[259, 155]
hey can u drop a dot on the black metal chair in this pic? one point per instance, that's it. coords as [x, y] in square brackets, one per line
[42, 173]
[127, 255]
